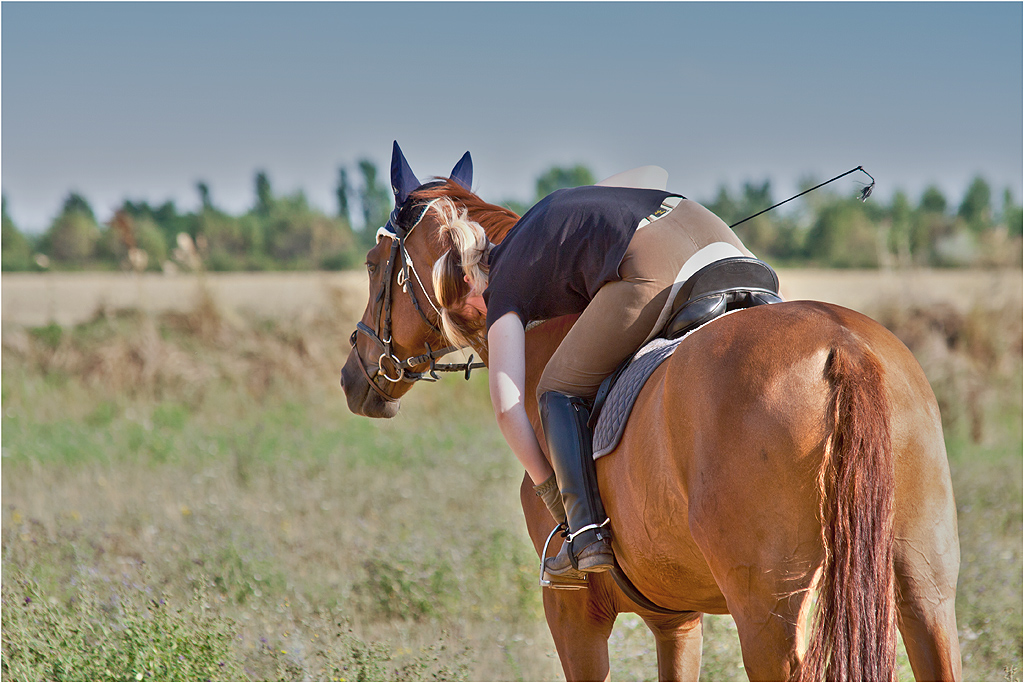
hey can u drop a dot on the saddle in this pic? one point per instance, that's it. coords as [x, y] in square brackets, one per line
[726, 285]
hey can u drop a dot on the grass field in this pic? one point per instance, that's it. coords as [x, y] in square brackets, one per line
[186, 496]
[33, 299]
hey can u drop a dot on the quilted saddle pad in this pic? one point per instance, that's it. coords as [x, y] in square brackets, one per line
[612, 420]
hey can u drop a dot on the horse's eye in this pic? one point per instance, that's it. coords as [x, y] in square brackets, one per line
[371, 268]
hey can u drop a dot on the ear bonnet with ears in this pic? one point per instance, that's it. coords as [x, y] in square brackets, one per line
[404, 182]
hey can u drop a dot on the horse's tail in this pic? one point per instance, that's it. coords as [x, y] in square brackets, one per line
[854, 637]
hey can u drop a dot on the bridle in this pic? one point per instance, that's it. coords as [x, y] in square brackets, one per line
[388, 364]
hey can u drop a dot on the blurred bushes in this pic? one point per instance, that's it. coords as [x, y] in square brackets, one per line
[73, 235]
[283, 232]
[972, 359]
[278, 233]
[17, 251]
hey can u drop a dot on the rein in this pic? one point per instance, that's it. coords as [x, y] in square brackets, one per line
[389, 366]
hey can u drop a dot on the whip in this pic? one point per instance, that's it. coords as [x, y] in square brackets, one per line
[864, 193]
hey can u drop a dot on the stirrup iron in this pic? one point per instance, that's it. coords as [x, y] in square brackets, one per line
[571, 585]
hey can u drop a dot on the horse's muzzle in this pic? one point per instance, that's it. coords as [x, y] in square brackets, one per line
[361, 398]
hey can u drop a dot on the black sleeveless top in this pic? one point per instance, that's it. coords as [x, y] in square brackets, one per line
[564, 249]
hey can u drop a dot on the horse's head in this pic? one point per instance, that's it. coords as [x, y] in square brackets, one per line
[399, 339]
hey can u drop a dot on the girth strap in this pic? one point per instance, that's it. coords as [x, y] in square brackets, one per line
[634, 594]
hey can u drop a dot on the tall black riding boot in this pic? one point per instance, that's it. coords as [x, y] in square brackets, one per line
[588, 545]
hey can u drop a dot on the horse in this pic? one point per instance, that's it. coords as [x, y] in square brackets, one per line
[782, 452]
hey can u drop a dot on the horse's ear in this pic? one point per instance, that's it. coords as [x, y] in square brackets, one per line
[463, 172]
[403, 180]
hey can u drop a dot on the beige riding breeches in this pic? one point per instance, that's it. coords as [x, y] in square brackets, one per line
[625, 313]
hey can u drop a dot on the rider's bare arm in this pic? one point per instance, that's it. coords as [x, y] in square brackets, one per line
[506, 343]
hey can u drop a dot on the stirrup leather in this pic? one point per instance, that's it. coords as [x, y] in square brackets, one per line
[603, 524]
[569, 538]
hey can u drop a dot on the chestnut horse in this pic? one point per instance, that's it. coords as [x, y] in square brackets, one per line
[782, 451]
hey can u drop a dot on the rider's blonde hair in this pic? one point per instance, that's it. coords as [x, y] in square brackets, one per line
[462, 271]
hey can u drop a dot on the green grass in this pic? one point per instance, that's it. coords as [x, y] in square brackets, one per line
[290, 514]
[103, 635]
[202, 505]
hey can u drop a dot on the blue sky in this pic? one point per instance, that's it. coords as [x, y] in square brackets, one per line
[140, 101]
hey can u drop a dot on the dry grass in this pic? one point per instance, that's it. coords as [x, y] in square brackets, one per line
[972, 359]
[148, 456]
[35, 299]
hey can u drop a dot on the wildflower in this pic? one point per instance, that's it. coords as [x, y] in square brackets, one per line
[28, 600]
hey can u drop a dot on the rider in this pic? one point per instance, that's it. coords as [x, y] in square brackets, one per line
[610, 253]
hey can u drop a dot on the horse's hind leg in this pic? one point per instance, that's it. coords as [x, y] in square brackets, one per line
[762, 545]
[763, 555]
[679, 641]
[927, 561]
[770, 617]
[927, 617]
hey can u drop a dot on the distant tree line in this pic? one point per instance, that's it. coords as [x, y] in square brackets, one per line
[828, 229]
[283, 232]
[279, 232]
